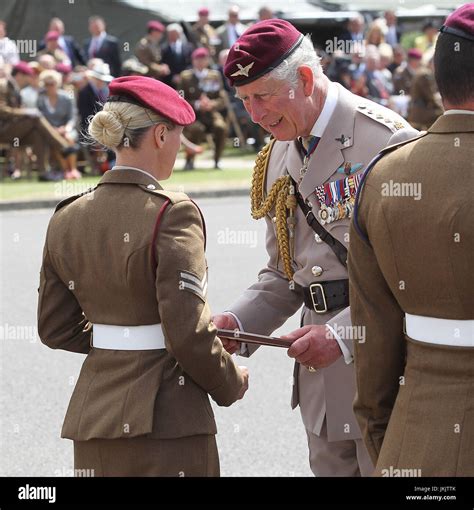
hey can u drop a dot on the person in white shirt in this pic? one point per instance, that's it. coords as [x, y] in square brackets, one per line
[8, 49]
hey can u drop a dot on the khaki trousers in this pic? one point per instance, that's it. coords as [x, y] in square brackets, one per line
[338, 458]
[142, 456]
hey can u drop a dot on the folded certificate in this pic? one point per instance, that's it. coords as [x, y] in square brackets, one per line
[251, 338]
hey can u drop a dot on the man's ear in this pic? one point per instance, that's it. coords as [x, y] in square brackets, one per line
[160, 133]
[307, 77]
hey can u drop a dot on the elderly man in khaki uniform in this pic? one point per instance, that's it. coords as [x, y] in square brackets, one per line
[304, 186]
[412, 285]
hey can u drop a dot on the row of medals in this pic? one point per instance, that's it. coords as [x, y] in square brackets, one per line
[336, 211]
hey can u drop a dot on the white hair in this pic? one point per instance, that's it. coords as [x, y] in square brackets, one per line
[305, 55]
[174, 26]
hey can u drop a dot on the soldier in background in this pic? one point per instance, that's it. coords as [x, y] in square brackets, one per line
[202, 87]
[404, 74]
[425, 104]
[205, 35]
[149, 48]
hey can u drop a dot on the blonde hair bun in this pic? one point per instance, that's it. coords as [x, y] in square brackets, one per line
[106, 128]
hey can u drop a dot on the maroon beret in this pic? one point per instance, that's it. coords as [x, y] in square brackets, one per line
[23, 68]
[460, 22]
[203, 11]
[261, 49]
[415, 53]
[63, 68]
[152, 94]
[200, 53]
[155, 25]
[52, 35]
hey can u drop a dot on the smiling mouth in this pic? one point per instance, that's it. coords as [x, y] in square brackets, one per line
[275, 124]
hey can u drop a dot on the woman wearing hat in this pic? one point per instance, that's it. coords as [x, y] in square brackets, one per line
[124, 280]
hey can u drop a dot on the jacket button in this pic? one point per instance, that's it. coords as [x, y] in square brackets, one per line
[317, 271]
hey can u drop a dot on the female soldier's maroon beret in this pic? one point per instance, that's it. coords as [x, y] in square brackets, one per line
[260, 49]
[152, 94]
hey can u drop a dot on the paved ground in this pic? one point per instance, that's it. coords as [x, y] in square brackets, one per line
[259, 436]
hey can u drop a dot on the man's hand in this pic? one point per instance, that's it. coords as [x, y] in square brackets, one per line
[245, 384]
[227, 321]
[314, 346]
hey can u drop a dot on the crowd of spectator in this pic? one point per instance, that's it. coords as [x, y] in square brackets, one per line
[46, 103]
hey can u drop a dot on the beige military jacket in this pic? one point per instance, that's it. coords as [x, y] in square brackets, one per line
[102, 264]
[149, 54]
[210, 85]
[356, 131]
[412, 253]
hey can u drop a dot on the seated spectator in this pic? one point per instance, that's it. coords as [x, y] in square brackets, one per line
[428, 39]
[265, 12]
[89, 99]
[375, 35]
[149, 48]
[9, 55]
[204, 34]
[28, 128]
[425, 101]
[65, 42]
[404, 74]
[52, 48]
[398, 59]
[203, 89]
[378, 86]
[29, 94]
[102, 45]
[46, 61]
[58, 108]
[176, 53]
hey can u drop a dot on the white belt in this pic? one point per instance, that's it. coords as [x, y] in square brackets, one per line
[440, 331]
[128, 338]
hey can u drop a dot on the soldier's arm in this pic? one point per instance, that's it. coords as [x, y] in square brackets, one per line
[181, 286]
[380, 353]
[61, 322]
[143, 55]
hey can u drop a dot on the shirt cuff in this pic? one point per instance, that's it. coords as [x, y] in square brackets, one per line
[348, 358]
[243, 346]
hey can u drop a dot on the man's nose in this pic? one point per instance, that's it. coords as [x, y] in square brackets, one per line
[257, 111]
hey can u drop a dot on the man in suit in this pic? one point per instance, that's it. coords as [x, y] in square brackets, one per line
[412, 283]
[66, 43]
[176, 53]
[392, 34]
[230, 31]
[203, 89]
[304, 186]
[102, 45]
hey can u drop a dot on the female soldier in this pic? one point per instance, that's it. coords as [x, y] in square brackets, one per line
[124, 281]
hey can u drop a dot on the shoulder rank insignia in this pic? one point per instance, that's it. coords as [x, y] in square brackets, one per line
[336, 199]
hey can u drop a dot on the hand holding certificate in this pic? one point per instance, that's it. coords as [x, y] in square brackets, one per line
[251, 338]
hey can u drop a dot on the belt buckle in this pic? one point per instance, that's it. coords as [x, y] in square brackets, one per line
[315, 302]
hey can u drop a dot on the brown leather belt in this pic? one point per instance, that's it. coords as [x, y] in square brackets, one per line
[323, 297]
